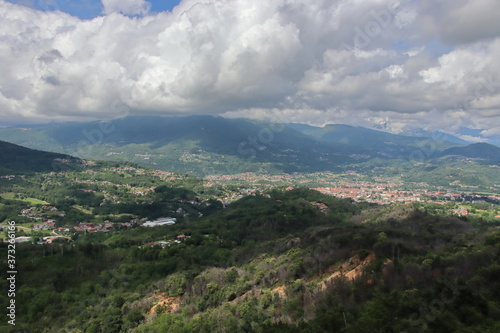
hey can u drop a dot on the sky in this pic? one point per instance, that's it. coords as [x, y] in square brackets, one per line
[89, 9]
[395, 65]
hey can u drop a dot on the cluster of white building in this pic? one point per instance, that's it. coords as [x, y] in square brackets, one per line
[160, 222]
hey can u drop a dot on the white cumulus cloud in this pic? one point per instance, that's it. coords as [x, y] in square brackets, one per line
[392, 64]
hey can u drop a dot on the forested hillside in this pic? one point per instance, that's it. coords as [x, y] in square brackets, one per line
[250, 166]
[17, 160]
[241, 257]
[282, 261]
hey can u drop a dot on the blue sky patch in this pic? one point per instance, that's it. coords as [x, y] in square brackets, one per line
[87, 9]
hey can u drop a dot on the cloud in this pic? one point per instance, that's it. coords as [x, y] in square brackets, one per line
[386, 64]
[471, 138]
[462, 22]
[54, 80]
[50, 56]
[126, 7]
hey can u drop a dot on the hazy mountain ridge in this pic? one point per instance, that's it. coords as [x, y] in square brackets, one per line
[202, 145]
[436, 134]
[173, 143]
[477, 150]
[387, 143]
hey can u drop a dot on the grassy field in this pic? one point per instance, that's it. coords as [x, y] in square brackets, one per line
[33, 201]
[82, 209]
[122, 217]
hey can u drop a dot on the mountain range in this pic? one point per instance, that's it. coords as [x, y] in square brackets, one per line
[288, 259]
[202, 145]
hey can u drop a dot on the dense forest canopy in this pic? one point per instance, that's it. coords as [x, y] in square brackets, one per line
[285, 260]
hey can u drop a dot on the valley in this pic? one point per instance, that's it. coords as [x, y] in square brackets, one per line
[122, 247]
[216, 166]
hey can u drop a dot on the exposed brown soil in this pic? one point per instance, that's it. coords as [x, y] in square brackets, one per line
[172, 304]
[350, 269]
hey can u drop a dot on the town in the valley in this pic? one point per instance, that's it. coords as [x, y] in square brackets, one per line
[458, 200]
